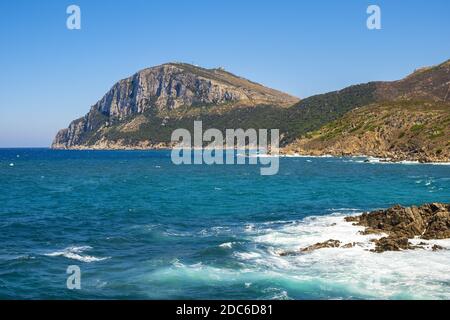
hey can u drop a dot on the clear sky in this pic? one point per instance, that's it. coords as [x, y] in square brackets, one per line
[50, 75]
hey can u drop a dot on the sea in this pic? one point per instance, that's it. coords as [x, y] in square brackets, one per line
[137, 226]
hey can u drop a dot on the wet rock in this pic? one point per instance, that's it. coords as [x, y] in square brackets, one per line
[429, 221]
[327, 244]
[320, 245]
[436, 247]
[352, 219]
[287, 253]
[391, 244]
[438, 226]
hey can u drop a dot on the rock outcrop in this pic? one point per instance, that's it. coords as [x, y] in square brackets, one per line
[400, 224]
[429, 221]
[320, 245]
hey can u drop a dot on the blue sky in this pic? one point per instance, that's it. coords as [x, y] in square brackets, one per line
[51, 75]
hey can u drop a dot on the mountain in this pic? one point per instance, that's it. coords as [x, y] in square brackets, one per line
[399, 130]
[158, 93]
[427, 84]
[407, 119]
[142, 111]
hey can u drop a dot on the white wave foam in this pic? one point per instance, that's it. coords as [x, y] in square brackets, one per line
[329, 273]
[75, 254]
[317, 229]
[296, 155]
[249, 227]
[226, 245]
[408, 274]
[276, 294]
[369, 159]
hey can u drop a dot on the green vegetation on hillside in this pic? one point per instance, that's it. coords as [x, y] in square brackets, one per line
[405, 129]
[400, 107]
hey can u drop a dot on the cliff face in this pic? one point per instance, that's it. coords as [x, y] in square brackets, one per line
[166, 88]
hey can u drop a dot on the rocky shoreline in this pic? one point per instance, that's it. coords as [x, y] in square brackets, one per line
[397, 226]
[428, 222]
[382, 157]
[147, 146]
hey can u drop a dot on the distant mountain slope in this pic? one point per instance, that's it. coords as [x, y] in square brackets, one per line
[430, 84]
[165, 88]
[399, 130]
[388, 122]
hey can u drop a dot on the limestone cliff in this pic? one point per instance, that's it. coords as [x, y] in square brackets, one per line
[160, 90]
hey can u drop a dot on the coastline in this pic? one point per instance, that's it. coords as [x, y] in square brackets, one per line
[393, 229]
[371, 158]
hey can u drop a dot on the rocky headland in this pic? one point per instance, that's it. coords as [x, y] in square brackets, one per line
[141, 111]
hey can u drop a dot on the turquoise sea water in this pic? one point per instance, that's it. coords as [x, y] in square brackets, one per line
[140, 227]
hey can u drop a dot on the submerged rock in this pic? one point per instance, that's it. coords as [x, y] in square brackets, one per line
[436, 247]
[327, 244]
[331, 243]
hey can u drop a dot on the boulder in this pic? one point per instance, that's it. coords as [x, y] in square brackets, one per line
[327, 244]
[429, 221]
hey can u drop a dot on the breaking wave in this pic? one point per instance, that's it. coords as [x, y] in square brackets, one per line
[75, 254]
[328, 273]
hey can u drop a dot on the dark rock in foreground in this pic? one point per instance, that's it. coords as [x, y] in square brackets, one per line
[320, 245]
[327, 244]
[392, 244]
[429, 221]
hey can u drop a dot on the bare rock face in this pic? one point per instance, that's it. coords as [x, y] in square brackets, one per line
[165, 87]
[429, 221]
[162, 89]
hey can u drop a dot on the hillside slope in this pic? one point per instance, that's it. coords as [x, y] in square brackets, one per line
[406, 119]
[400, 130]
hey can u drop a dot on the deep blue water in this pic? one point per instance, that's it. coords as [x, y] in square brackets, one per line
[140, 227]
